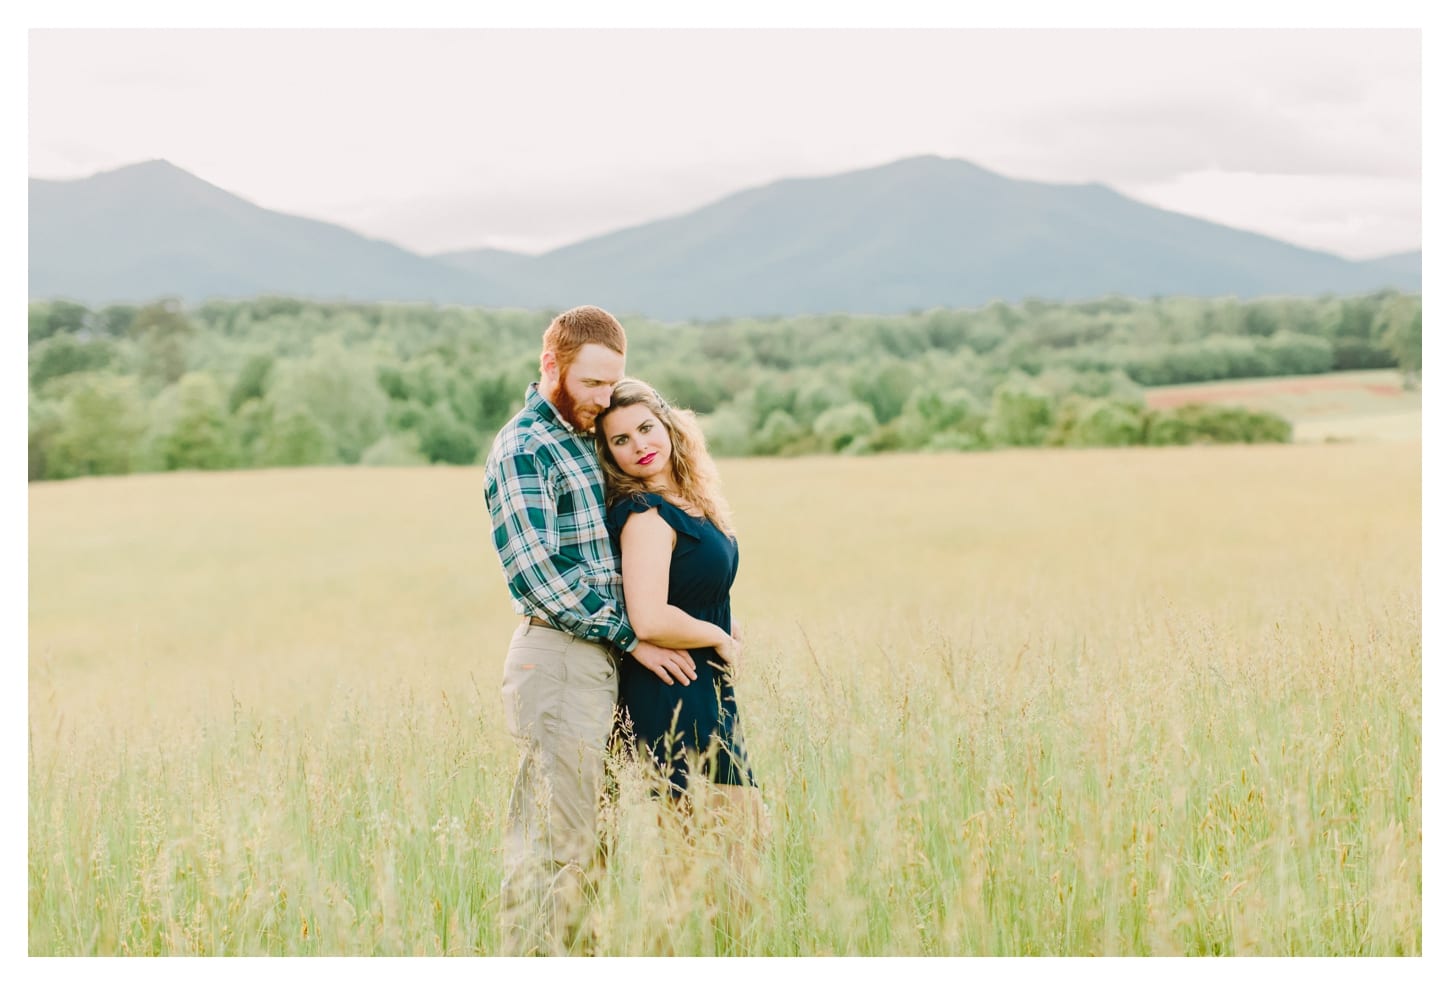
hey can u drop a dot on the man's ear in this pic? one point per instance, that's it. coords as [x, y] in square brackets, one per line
[548, 363]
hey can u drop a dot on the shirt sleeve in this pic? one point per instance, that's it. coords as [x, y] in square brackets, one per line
[524, 509]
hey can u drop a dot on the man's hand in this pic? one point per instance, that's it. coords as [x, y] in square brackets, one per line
[665, 663]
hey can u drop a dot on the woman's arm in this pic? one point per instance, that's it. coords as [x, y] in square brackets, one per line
[646, 543]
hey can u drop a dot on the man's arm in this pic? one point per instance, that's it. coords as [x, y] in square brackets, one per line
[522, 505]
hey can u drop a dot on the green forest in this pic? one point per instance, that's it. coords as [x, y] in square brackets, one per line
[286, 382]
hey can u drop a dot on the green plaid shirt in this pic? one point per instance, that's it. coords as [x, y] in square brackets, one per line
[545, 493]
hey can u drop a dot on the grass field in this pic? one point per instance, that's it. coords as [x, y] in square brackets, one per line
[1367, 405]
[1145, 701]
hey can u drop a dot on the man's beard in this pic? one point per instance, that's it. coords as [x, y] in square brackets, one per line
[568, 409]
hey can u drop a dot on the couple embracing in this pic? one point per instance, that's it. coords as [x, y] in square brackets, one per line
[619, 554]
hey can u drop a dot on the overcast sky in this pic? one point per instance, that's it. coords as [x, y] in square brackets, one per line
[529, 140]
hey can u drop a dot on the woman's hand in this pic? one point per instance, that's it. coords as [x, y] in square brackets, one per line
[730, 646]
[728, 649]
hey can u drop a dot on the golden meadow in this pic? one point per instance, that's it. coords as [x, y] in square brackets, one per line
[1146, 701]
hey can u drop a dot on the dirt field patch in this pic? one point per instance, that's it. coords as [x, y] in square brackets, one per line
[1360, 406]
[1251, 390]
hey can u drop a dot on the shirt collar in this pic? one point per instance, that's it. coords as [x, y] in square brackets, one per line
[535, 400]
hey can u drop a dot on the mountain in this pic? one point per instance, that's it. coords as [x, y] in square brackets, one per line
[918, 233]
[1399, 265]
[925, 232]
[490, 262]
[150, 230]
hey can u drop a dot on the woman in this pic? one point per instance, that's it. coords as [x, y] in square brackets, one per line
[679, 556]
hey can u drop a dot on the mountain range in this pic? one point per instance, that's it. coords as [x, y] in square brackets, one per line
[915, 234]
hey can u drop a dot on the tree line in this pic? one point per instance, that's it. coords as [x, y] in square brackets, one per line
[287, 382]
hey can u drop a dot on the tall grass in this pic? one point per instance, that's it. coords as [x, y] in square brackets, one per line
[1154, 701]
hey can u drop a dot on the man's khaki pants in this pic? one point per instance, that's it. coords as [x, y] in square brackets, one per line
[559, 693]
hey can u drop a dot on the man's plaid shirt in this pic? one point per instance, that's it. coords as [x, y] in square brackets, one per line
[545, 493]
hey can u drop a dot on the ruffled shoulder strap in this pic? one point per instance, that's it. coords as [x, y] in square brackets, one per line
[677, 518]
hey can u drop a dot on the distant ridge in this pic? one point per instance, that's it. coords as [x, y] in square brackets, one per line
[914, 234]
[1402, 265]
[152, 229]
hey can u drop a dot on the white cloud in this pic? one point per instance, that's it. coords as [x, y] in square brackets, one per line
[1355, 217]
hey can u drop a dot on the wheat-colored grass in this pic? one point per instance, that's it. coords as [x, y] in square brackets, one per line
[1152, 701]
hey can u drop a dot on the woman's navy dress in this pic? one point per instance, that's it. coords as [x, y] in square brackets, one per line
[700, 716]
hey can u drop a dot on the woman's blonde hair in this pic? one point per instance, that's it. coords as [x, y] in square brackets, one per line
[691, 466]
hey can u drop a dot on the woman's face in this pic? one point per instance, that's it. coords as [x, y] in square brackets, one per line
[639, 442]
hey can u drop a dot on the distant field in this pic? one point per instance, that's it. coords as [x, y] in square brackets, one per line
[1362, 406]
[1137, 701]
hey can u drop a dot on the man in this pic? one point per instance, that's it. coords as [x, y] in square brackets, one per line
[544, 490]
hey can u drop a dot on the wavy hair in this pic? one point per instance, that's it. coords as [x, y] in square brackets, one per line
[693, 470]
